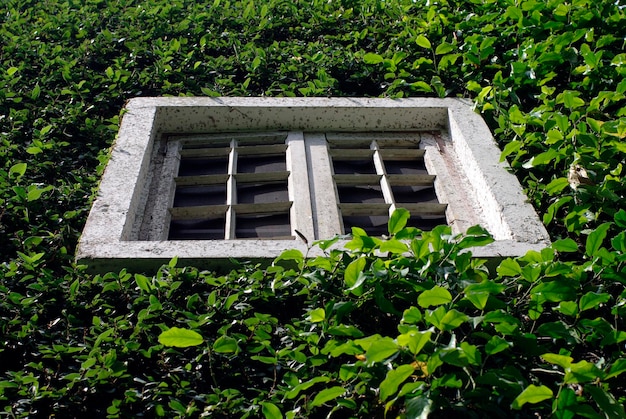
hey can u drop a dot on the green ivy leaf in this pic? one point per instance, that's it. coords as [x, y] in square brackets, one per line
[569, 308]
[398, 220]
[293, 393]
[478, 294]
[478, 298]
[570, 99]
[445, 320]
[180, 338]
[595, 239]
[565, 245]
[327, 395]
[475, 236]
[411, 315]
[381, 349]
[557, 185]
[143, 283]
[414, 340]
[345, 330]
[582, 372]
[394, 246]
[592, 300]
[18, 169]
[496, 344]
[389, 386]
[555, 291]
[423, 42]
[444, 48]
[562, 361]
[318, 315]
[532, 394]
[271, 411]
[618, 367]
[421, 86]
[291, 254]
[620, 218]
[435, 296]
[509, 267]
[512, 147]
[226, 345]
[418, 407]
[354, 276]
[371, 58]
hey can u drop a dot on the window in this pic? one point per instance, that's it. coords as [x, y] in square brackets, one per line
[206, 179]
[257, 185]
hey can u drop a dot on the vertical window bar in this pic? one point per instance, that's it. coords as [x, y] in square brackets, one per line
[327, 219]
[301, 216]
[231, 191]
[385, 186]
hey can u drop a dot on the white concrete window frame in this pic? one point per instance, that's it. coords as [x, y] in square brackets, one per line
[460, 152]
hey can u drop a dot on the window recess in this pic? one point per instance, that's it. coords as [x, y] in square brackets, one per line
[261, 185]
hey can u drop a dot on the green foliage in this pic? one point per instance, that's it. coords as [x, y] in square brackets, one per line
[407, 326]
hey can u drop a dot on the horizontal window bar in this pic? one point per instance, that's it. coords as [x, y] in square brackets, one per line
[262, 150]
[261, 177]
[357, 179]
[197, 212]
[424, 208]
[191, 153]
[411, 180]
[266, 208]
[402, 154]
[201, 180]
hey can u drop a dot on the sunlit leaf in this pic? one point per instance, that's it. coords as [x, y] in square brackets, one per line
[393, 246]
[271, 411]
[414, 340]
[435, 296]
[225, 345]
[389, 386]
[180, 338]
[305, 386]
[592, 300]
[354, 273]
[398, 220]
[327, 395]
[595, 239]
[509, 267]
[371, 58]
[423, 42]
[381, 349]
[532, 394]
[565, 245]
[317, 315]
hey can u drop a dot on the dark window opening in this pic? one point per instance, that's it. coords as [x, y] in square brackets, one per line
[263, 226]
[262, 193]
[189, 196]
[207, 229]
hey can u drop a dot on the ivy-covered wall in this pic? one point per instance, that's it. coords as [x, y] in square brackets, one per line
[421, 329]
